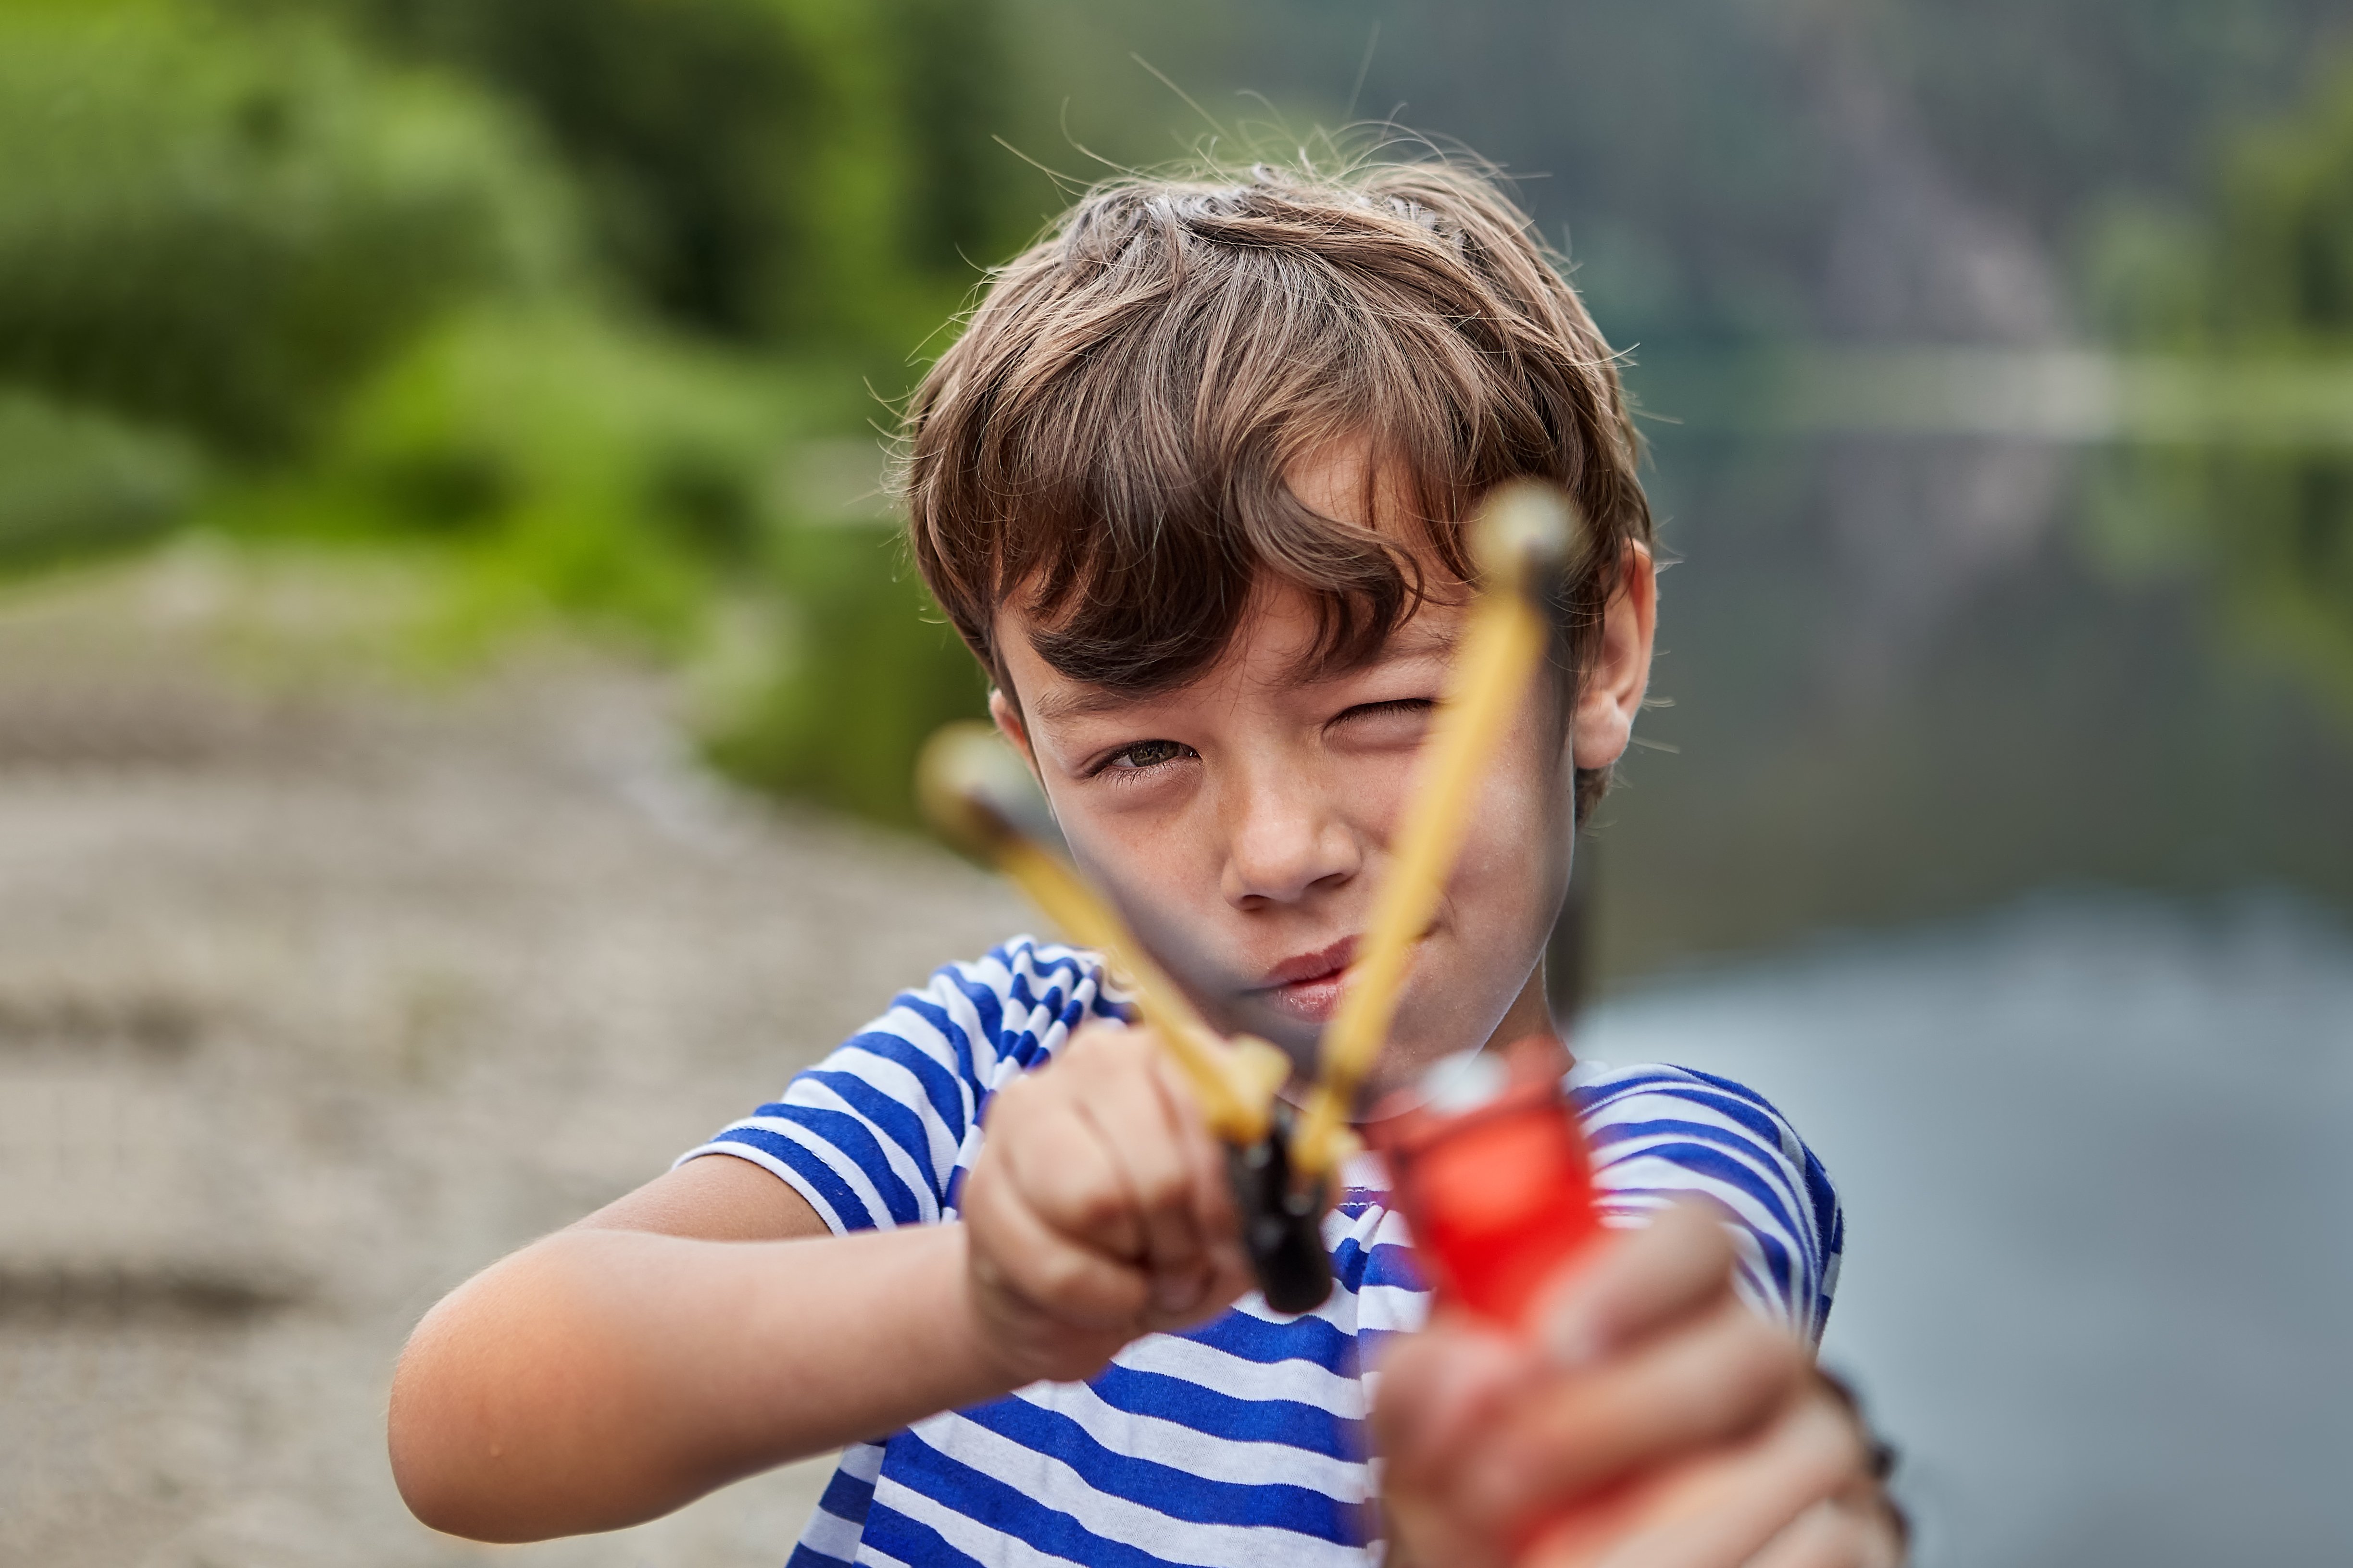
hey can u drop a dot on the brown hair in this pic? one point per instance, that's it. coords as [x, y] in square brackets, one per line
[1109, 437]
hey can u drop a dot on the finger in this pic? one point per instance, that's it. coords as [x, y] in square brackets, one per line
[1714, 1380]
[1435, 1390]
[1421, 1533]
[1643, 1282]
[1064, 1167]
[1721, 1508]
[1122, 1100]
[1843, 1531]
[1225, 1269]
[1214, 1217]
[1042, 1265]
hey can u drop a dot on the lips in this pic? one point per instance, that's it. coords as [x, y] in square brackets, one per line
[1308, 987]
[1312, 965]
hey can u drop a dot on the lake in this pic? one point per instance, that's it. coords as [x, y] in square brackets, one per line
[2099, 1269]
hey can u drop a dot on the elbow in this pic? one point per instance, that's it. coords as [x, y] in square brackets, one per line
[431, 1444]
[435, 1497]
[492, 1431]
[443, 1502]
[451, 1428]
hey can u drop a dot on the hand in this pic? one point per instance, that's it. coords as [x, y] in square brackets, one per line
[1098, 1211]
[1658, 1421]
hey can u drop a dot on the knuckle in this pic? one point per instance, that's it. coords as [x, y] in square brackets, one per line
[1837, 1438]
[1097, 1043]
[1010, 1102]
[1815, 1463]
[1096, 1207]
[1058, 1278]
[1736, 1374]
[1168, 1189]
[1084, 1288]
[1082, 1200]
[1050, 1276]
[1766, 1355]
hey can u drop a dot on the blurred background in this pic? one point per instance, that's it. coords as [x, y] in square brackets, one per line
[458, 679]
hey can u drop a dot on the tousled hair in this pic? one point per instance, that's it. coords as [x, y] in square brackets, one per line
[1108, 439]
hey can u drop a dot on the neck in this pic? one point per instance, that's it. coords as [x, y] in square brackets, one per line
[1529, 1018]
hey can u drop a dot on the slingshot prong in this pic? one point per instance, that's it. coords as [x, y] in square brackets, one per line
[1523, 541]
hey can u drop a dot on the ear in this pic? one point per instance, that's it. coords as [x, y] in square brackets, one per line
[1613, 686]
[1007, 719]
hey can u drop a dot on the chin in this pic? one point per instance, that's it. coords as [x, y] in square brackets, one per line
[1299, 1038]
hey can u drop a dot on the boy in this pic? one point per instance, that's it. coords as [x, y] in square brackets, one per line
[1190, 485]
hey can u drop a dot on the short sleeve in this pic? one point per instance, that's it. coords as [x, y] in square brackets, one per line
[1660, 1132]
[880, 1132]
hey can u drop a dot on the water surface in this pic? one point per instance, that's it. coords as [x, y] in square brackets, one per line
[2099, 1269]
[1916, 676]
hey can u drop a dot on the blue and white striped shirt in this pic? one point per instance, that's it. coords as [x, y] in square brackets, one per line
[1242, 1442]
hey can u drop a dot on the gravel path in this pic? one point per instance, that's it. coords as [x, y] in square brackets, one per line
[318, 993]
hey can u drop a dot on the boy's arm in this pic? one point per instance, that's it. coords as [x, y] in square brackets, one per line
[709, 1326]
[705, 1327]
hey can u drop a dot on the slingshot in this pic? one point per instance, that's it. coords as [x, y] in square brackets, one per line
[981, 798]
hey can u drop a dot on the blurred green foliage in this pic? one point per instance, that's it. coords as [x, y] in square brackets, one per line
[74, 479]
[800, 173]
[566, 464]
[220, 228]
[871, 668]
[554, 294]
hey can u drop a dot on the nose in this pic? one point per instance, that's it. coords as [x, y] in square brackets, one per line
[1284, 839]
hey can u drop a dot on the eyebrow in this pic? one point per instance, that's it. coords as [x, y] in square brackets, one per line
[1082, 700]
[1086, 700]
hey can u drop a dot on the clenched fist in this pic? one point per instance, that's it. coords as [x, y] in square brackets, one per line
[1098, 1211]
[1656, 1422]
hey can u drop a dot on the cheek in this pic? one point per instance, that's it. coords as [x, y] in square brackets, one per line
[1128, 855]
[1155, 867]
[1514, 865]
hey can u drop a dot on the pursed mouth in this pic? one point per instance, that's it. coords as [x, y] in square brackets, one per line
[1308, 987]
[1308, 968]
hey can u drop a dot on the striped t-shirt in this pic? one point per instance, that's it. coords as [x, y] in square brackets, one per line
[1239, 1443]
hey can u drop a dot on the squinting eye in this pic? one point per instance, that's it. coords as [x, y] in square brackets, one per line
[1402, 708]
[1148, 754]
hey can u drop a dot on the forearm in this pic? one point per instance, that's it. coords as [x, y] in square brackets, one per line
[603, 1377]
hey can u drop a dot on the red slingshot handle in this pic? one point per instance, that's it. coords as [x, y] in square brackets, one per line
[1499, 1195]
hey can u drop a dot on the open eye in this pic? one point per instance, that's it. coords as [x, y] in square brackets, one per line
[1144, 755]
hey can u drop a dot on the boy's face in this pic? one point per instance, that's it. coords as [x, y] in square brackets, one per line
[1244, 821]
